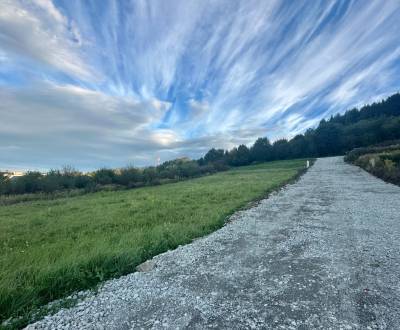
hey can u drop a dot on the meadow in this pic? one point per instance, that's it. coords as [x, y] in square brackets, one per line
[51, 248]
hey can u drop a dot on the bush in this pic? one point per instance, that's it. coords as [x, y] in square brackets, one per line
[52, 181]
[28, 183]
[383, 162]
[356, 153]
[104, 176]
[129, 177]
[189, 170]
[150, 176]
[84, 181]
[395, 157]
[4, 183]
[106, 179]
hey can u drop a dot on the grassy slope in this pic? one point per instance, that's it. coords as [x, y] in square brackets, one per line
[51, 248]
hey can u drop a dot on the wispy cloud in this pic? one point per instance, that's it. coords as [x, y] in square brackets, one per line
[38, 34]
[131, 80]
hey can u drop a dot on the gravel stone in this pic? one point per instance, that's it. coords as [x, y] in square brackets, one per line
[322, 253]
[146, 266]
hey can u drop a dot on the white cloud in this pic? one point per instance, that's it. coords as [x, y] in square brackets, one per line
[36, 31]
[63, 121]
[198, 108]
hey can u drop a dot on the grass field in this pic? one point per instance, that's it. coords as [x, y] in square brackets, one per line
[50, 248]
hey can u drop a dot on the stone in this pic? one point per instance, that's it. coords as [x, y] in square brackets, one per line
[146, 266]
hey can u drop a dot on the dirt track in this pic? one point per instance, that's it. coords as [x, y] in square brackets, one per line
[323, 253]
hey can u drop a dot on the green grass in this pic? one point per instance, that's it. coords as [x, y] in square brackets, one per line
[51, 248]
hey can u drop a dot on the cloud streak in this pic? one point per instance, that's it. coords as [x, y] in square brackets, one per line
[116, 81]
[38, 34]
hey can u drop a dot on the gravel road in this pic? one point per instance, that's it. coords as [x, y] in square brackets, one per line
[323, 253]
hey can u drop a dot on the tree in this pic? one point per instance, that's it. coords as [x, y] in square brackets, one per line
[239, 156]
[281, 149]
[4, 183]
[28, 183]
[128, 176]
[150, 175]
[328, 139]
[299, 146]
[214, 155]
[104, 176]
[189, 169]
[261, 150]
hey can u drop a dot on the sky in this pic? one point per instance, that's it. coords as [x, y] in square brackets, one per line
[112, 83]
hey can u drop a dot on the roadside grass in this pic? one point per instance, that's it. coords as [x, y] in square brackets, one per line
[51, 248]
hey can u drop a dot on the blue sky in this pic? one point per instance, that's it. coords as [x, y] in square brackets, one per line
[111, 83]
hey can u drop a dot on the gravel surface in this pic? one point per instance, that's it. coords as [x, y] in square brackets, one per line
[323, 253]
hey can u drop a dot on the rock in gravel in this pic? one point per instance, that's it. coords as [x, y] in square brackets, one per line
[146, 266]
[305, 258]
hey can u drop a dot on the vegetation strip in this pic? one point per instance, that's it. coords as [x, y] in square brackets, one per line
[372, 124]
[381, 161]
[52, 248]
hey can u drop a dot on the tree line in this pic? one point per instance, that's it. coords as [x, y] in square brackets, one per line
[372, 124]
[355, 128]
[105, 178]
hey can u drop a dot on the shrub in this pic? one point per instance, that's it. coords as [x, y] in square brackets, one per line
[104, 176]
[383, 162]
[4, 183]
[356, 153]
[150, 175]
[28, 183]
[83, 181]
[189, 169]
[129, 177]
[395, 157]
[52, 181]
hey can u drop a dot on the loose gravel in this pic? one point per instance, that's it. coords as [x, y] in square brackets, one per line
[322, 253]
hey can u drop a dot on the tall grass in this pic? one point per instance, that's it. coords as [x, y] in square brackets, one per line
[51, 248]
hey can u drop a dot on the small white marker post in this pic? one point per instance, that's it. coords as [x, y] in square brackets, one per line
[308, 164]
